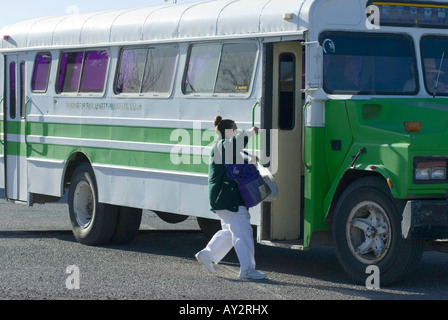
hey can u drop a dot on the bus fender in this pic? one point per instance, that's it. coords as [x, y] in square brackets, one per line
[73, 161]
[348, 176]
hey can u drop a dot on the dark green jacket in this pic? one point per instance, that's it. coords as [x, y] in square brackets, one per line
[223, 193]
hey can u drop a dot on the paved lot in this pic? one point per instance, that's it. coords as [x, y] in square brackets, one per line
[37, 247]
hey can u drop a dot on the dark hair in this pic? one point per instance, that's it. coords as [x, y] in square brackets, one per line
[223, 125]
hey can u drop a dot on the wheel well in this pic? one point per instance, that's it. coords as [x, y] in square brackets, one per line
[349, 177]
[72, 163]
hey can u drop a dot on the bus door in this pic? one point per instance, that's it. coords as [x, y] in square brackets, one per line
[14, 116]
[285, 115]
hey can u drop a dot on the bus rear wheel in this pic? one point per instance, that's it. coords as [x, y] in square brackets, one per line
[366, 230]
[93, 223]
[127, 226]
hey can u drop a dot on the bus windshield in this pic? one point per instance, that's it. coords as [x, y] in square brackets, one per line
[435, 64]
[360, 63]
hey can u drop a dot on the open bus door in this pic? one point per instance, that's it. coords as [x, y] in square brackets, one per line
[14, 134]
[281, 219]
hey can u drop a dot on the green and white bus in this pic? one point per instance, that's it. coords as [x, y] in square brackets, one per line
[116, 108]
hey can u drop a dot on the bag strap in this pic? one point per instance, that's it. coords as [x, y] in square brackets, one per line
[245, 152]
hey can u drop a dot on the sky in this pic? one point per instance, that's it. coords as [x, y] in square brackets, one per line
[18, 10]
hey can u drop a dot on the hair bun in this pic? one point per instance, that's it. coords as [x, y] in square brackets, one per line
[218, 119]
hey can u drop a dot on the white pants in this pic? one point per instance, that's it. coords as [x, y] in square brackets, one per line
[236, 232]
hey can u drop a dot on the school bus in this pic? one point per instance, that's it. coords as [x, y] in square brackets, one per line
[116, 109]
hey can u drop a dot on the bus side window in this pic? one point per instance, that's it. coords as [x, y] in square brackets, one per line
[82, 72]
[130, 72]
[94, 71]
[160, 69]
[202, 66]
[12, 90]
[41, 73]
[236, 68]
[69, 71]
[287, 83]
[22, 89]
[220, 68]
[147, 70]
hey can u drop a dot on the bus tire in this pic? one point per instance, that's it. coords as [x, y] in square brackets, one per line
[366, 230]
[127, 226]
[93, 223]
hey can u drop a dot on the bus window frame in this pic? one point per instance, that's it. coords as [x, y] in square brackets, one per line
[48, 75]
[213, 94]
[422, 57]
[78, 93]
[146, 94]
[402, 35]
[282, 112]
[12, 93]
[22, 88]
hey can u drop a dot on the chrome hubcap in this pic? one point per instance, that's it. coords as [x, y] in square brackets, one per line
[83, 204]
[368, 232]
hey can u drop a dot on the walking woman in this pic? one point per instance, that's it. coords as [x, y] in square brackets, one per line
[227, 203]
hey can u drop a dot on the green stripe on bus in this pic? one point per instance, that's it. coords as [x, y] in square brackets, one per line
[111, 156]
[15, 127]
[194, 137]
[121, 133]
[15, 148]
[131, 158]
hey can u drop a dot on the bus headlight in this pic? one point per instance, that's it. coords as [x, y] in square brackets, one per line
[427, 171]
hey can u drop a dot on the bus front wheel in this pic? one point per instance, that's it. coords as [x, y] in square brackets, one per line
[93, 223]
[366, 230]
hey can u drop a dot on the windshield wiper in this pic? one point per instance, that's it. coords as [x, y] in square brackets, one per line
[438, 75]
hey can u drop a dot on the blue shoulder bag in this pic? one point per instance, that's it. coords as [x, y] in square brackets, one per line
[251, 185]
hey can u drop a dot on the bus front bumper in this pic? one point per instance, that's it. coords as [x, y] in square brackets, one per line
[425, 219]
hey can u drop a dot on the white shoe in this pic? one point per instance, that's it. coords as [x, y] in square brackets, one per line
[205, 260]
[252, 274]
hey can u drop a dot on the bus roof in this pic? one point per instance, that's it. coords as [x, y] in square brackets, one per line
[198, 20]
